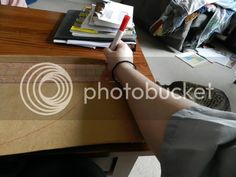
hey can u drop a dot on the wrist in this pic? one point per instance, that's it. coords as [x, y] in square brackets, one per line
[123, 66]
[120, 68]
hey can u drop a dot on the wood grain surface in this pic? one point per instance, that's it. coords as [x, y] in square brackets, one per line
[30, 32]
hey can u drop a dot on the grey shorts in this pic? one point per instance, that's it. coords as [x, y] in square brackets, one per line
[200, 142]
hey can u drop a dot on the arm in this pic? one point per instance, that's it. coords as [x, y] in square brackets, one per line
[151, 115]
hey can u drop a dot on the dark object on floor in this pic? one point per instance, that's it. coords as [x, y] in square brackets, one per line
[231, 40]
[216, 99]
[49, 166]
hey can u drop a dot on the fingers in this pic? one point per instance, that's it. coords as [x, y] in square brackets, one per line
[107, 52]
[121, 45]
[122, 53]
[121, 50]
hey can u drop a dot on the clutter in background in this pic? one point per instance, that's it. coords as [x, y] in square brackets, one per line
[189, 24]
[208, 55]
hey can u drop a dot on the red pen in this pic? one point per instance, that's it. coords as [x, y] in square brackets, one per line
[120, 32]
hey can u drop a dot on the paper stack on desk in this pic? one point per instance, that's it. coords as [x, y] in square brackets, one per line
[96, 25]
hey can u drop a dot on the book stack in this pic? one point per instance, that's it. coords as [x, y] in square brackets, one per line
[96, 25]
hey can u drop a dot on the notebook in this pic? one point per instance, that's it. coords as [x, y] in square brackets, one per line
[64, 36]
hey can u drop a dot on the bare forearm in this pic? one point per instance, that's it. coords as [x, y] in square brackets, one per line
[154, 108]
[152, 115]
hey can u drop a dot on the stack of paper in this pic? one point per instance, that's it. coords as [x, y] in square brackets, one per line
[110, 14]
[96, 25]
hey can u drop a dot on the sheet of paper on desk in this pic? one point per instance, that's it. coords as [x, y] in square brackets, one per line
[214, 56]
[191, 58]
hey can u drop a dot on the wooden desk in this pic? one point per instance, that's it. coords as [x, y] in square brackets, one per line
[29, 32]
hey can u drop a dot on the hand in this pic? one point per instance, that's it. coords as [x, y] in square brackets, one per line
[122, 53]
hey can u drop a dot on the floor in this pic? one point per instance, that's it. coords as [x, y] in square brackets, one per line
[147, 166]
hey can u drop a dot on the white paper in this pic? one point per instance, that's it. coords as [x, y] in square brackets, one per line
[213, 56]
[87, 21]
[113, 13]
[191, 58]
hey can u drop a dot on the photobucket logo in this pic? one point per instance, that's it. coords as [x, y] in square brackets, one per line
[31, 89]
[147, 93]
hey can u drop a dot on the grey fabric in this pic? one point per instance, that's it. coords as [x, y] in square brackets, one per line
[191, 7]
[200, 142]
[178, 38]
[146, 12]
[199, 21]
[217, 24]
